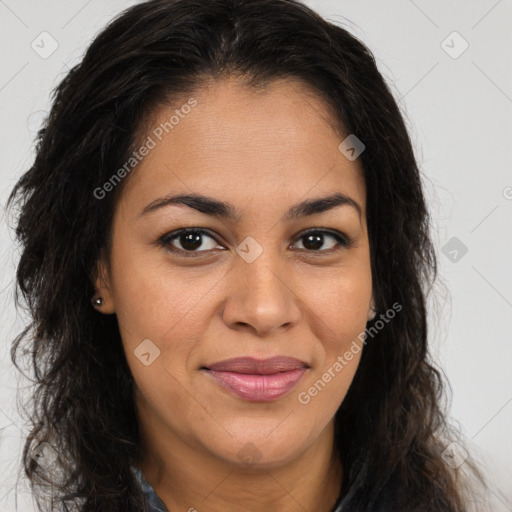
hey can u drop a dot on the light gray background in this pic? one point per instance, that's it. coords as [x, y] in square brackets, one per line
[459, 115]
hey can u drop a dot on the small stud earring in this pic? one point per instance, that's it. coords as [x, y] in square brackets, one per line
[97, 301]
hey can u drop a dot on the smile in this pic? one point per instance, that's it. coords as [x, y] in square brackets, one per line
[258, 380]
[257, 387]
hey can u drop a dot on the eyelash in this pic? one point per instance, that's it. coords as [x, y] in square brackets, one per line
[165, 241]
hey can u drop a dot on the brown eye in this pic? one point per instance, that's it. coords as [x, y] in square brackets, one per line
[322, 241]
[188, 241]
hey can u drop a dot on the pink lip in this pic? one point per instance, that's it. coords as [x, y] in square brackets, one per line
[258, 380]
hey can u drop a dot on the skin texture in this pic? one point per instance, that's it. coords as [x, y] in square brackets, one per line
[262, 152]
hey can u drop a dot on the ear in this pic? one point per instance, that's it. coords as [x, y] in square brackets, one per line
[101, 280]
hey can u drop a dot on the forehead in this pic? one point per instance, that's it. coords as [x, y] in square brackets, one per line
[229, 139]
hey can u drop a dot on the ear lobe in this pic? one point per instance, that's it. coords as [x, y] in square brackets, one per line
[372, 312]
[102, 286]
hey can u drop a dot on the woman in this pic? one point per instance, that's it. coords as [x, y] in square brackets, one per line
[226, 252]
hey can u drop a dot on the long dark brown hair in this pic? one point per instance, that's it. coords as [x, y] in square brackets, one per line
[390, 425]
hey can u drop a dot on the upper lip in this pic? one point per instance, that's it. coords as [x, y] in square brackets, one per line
[255, 366]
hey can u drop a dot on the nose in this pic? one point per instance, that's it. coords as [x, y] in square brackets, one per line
[261, 297]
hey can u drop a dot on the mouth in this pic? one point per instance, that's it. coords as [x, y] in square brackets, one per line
[258, 380]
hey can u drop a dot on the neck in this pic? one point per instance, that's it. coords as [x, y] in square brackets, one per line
[192, 479]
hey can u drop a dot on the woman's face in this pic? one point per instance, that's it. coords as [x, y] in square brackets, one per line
[266, 273]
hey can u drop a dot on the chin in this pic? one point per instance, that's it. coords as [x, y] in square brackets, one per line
[260, 451]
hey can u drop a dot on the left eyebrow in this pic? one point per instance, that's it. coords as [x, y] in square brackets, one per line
[320, 205]
[216, 208]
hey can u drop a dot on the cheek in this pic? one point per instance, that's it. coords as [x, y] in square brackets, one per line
[172, 310]
[338, 309]
[152, 300]
[339, 302]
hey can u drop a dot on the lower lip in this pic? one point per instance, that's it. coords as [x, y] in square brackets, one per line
[258, 388]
